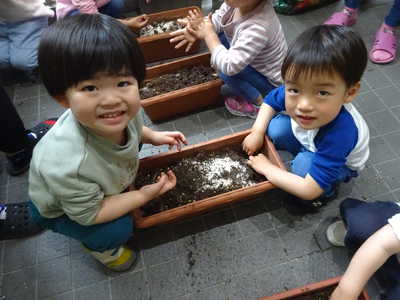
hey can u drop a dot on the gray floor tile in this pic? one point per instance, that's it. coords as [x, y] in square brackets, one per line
[63, 296]
[98, 291]
[19, 254]
[390, 172]
[380, 151]
[389, 95]
[130, 286]
[167, 280]
[20, 285]
[393, 140]
[384, 122]
[368, 103]
[54, 277]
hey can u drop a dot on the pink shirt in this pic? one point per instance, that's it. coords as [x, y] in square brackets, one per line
[84, 6]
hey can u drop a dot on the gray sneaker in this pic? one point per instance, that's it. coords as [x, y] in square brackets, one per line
[336, 233]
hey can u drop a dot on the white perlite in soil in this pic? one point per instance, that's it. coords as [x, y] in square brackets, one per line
[159, 27]
[218, 172]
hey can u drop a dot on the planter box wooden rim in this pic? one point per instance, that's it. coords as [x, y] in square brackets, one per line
[184, 100]
[206, 204]
[157, 46]
[312, 287]
[185, 91]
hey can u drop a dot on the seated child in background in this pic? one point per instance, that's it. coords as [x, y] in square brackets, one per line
[247, 48]
[374, 228]
[113, 8]
[21, 25]
[321, 128]
[80, 171]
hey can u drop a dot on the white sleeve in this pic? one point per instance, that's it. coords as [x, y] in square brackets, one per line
[395, 223]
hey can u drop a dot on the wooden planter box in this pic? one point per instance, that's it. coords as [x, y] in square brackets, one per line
[197, 207]
[185, 100]
[310, 289]
[158, 47]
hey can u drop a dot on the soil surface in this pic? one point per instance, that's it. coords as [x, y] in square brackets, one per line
[180, 79]
[204, 175]
[321, 295]
[159, 27]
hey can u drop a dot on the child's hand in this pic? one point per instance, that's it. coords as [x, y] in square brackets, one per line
[259, 163]
[183, 37]
[201, 29]
[171, 138]
[253, 142]
[165, 182]
[136, 23]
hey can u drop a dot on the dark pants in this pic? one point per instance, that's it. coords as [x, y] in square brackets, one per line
[98, 237]
[13, 137]
[363, 219]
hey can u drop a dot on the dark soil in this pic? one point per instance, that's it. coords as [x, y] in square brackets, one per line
[321, 295]
[199, 177]
[159, 27]
[180, 79]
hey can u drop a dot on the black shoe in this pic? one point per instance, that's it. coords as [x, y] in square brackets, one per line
[18, 163]
[18, 222]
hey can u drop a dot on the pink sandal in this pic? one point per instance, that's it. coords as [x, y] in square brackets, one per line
[343, 18]
[385, 40]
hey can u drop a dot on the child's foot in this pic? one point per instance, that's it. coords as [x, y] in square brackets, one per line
[336, 233]
[119, 259]
[18, 162]
[241, 108]
[384, 48]
[16, 221]
[347, 17]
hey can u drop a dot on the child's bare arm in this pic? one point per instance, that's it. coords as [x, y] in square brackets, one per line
[254, 141]
[157, 138]
[305, 188]
[371, 255]
[116, 206]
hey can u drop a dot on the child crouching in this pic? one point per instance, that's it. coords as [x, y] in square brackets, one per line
[80, 171]
[321, 128]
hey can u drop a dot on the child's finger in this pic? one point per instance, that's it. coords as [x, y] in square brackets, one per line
[190, 44]
[180, 44]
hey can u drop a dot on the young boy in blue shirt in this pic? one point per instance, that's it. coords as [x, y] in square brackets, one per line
[321, 128]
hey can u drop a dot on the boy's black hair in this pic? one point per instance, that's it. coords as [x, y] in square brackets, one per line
[327, 48]
[76, 48]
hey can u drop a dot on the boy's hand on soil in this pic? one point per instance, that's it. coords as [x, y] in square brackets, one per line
[170, 182]
[253, 142]
[165, 182]
[259, 163]
[182, 37]
[170, 138]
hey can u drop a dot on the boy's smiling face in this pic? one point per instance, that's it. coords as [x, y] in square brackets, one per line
[105, 104]
[313, 101]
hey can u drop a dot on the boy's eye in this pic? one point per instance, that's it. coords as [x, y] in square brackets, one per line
[293, 91]
[89, 88]
[324, 93]
[124, 83]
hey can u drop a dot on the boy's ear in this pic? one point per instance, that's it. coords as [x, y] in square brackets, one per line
[62, 100]
[352, 92]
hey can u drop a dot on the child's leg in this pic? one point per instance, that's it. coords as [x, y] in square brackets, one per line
[113, 8]
[281, 134]
[4, 46]
[363, 219]
[249, 83]
[25, 37]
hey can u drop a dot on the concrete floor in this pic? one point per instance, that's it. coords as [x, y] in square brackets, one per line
[244, 251]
